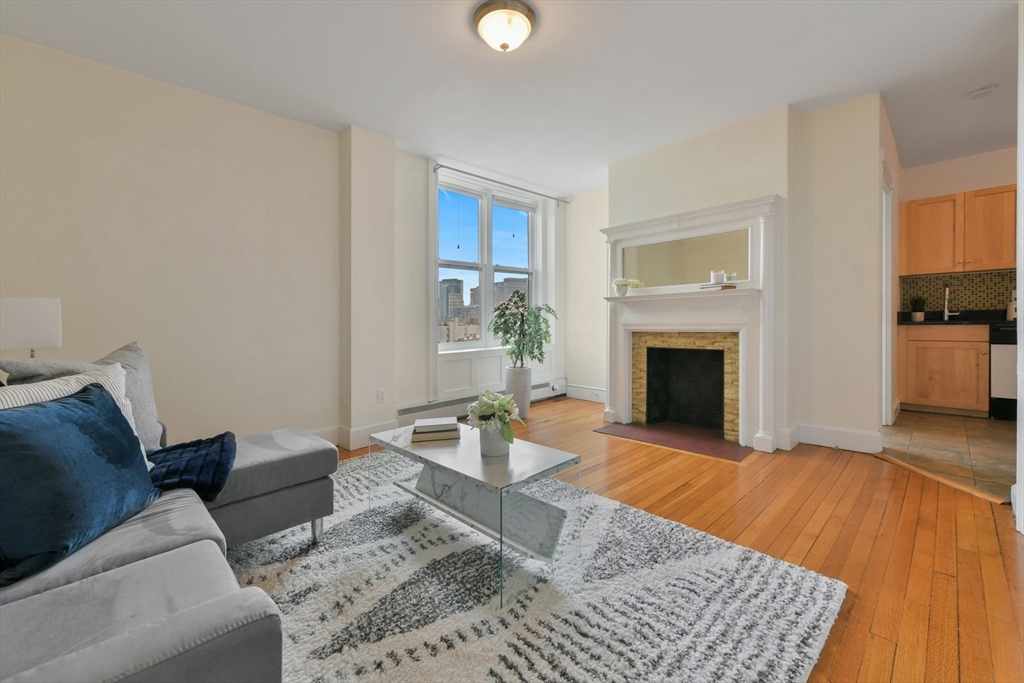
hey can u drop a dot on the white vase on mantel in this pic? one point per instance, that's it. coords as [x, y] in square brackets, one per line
[518, 383]
[620, 290]
[492, 445]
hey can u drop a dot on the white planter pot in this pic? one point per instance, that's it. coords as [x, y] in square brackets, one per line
[492, 445]
[517, 383]
[917, 316]
[620, 290]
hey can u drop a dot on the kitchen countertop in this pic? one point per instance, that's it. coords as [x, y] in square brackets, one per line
[997, 317]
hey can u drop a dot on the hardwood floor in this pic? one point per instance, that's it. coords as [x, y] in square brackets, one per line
[935, 575]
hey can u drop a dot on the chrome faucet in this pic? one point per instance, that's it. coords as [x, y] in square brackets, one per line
[945, 307]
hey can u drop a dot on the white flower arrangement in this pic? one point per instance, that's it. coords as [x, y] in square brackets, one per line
[624, 282]
[636, 284]
[494, 412]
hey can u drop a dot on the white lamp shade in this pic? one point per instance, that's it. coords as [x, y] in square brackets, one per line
[29, 323]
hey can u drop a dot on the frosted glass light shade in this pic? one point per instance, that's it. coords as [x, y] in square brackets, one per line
[29, 323]
[504, 24]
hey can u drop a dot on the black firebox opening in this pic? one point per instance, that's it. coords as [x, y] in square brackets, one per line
[686, 386]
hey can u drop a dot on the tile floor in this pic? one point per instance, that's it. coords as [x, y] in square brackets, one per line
[973, 451]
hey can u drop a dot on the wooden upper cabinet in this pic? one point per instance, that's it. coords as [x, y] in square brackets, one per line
[990, 228]
[935, 235]
[959, 232]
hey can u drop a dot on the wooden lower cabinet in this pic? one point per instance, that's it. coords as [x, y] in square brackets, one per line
[945, 367]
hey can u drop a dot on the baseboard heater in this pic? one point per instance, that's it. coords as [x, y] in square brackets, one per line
[456, 407]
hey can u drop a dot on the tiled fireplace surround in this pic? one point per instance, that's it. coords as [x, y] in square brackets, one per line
[741, 322]
[727, 342]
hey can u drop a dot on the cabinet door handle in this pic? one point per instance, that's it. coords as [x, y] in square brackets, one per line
[960, 261]
[968, 260]
[984, 353]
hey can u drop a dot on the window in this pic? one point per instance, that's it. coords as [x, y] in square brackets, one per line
[484, 253]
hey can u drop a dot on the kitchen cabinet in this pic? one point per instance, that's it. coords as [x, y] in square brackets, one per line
[960, 232]
[990, 228]
[945, 366]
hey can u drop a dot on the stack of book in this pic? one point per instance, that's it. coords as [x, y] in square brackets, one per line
[435, 429]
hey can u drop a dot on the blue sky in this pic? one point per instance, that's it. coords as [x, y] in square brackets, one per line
[458, 225]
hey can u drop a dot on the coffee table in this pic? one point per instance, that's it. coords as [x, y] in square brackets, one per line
[485, 494]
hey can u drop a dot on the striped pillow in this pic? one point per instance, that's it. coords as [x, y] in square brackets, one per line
[110, 377]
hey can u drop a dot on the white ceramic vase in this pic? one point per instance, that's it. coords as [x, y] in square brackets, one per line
[620, 290]
[517, 383]
[492, 445]
[917, 316]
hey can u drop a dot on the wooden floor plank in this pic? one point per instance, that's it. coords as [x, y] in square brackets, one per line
[935, 576]
[942, 662]
[912, 645]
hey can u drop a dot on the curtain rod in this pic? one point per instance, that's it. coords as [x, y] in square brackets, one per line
[560, 200]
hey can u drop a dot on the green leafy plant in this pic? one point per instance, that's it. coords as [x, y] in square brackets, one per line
[494, 412]
[522, 328]
[917, 304]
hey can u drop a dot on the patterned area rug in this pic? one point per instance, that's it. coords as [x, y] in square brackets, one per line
[404, 593]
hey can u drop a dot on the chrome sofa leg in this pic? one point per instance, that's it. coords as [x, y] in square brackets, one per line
[317, 527]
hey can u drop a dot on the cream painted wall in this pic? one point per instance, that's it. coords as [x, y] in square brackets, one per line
[836, 240]
[412, 306]
[586, 314]
[958, 175]
[740, 161]
[206, 230]
[369, 284]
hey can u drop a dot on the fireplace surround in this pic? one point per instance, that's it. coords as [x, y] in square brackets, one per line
[690, 396]
[688, 316]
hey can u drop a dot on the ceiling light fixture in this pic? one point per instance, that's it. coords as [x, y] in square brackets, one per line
[982, 92]
[504, 24]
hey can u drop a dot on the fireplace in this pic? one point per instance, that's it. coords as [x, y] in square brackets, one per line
[691, 378]
[686, 386]
[740, 322]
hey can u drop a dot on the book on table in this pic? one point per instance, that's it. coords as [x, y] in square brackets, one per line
[436, 424]
[449, 434]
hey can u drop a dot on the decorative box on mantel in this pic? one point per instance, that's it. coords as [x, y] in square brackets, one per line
[685, 316]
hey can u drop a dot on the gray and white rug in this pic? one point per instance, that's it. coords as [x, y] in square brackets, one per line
[404, 593]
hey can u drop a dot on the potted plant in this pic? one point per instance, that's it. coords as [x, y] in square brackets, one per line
[524, 330]
[492, 414]
[620, 284]
[917, 308]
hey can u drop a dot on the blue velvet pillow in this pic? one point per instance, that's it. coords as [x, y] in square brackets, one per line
[70, 469]
[203, 465]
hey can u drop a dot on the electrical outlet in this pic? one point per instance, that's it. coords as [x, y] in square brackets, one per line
[382, 395]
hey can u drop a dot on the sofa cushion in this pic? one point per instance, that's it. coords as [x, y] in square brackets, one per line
[139, 383]
[202, 465]
[276, 460]
[177, 519]
[112, 378]
[80, 614]
[70, 469]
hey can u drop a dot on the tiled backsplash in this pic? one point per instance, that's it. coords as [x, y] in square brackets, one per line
[983, 291]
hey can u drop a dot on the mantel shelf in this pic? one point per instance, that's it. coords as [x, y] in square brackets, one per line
[666, 296]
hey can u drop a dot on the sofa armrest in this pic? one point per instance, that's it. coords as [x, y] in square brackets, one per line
[236, 637]
[163, 434]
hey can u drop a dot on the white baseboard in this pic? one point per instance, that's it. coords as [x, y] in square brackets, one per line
[860, 440]
[609, 415]
[331, 434]
[1017, 505]
[586, 393]
[788, 438]
[353, 439]
[763, 443]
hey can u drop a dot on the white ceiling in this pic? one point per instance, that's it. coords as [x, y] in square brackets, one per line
[598, 81]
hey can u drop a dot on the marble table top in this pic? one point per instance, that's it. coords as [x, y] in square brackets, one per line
[526, 462]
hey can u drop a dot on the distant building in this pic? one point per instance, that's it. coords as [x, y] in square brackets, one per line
[451, 293]
[503, 290]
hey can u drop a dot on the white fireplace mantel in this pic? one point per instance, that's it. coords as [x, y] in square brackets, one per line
[749, 310]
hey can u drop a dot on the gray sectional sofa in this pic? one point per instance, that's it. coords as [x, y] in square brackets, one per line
[154, 599]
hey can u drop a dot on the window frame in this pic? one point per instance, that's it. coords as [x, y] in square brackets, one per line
[488, 194]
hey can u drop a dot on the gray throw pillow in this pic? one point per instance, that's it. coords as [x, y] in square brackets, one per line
[138, 383]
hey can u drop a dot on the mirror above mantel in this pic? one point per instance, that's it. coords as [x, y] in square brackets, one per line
[689, 260]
